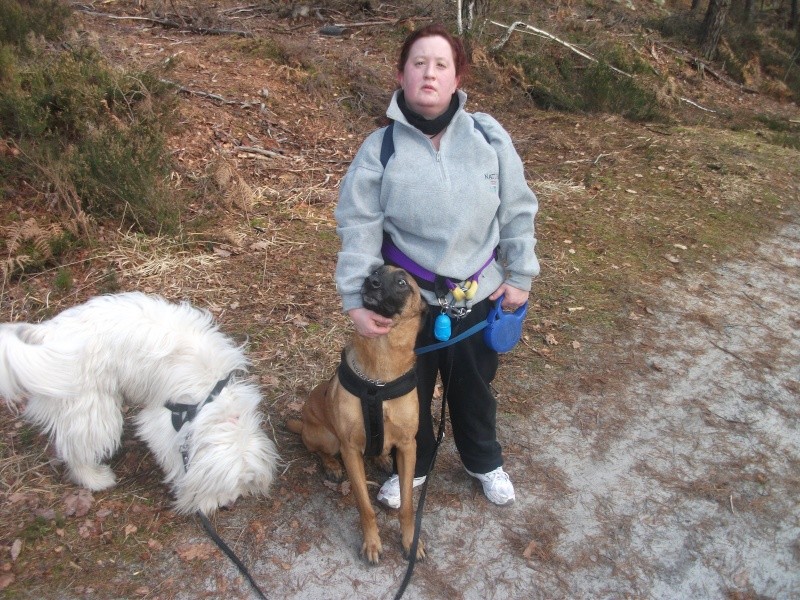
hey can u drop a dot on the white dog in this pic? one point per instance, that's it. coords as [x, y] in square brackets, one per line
[72, 373]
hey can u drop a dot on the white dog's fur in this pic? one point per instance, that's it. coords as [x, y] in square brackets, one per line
[72, 373]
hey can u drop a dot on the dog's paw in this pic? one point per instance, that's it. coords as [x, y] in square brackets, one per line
[92, 477]
[372, 550]
[420, 550]
[333, 468]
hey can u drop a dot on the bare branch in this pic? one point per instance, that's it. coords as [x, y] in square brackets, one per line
[542, 33]
[171, 24]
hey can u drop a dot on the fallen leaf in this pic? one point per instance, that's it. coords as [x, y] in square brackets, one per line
[130, 529]
[679, 246]
[78, 503]
[201, 551]
[16, 548]
[551, 340]
[6, 579]
[87, 529]
[673, 259]
[283, 565]
[154, 544]
[576, 345]
[303, 547]
[259, 246]
[299, 321]
[22, 497]
[531, 550]
[48, 514]
[295, 405]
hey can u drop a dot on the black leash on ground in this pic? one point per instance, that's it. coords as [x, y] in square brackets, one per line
[181, 414]
[412, 554]
[212, 533]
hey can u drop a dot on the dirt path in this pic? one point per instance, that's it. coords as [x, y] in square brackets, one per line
[676, 476]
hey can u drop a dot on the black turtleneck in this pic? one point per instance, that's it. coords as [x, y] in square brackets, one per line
[429, 127]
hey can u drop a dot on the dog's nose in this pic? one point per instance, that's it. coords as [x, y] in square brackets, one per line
[374, 281]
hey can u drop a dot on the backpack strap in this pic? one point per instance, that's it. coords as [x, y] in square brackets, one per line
[387, 144]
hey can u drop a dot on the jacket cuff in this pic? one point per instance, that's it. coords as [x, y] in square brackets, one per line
[351, 301]
[521, 282]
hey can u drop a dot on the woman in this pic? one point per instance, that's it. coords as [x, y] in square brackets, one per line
[452, 198]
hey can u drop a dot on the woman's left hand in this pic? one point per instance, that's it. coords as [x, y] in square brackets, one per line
[513, 297]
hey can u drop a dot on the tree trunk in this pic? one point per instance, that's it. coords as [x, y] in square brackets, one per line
[468, 11]
[712, 26]
[695, 5]
[749, 10]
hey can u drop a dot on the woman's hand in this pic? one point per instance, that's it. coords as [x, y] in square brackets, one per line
[514, 297]
[368, 323]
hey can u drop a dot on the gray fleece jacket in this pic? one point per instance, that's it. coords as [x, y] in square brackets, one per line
[447, 210]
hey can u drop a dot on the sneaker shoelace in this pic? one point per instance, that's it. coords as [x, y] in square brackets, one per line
[497, 476]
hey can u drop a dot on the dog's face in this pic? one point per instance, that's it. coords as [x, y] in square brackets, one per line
[390, 292]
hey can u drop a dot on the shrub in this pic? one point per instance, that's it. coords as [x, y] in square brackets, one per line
[556, 80]
[41, 18]
[90, 133]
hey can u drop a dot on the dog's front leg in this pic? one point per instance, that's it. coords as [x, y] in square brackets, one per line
[406, 460]
[354, 463]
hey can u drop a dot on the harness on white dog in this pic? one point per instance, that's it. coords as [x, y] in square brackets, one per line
[372, 394]
[185, 413]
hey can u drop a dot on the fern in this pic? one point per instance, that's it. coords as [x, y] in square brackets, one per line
[29, 244]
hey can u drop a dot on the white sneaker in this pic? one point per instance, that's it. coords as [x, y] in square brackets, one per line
[496, 485]
[389, 494]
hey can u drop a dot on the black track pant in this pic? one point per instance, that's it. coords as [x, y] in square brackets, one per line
[467, 368]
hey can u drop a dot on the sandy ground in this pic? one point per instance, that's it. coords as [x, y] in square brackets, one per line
[674, 474]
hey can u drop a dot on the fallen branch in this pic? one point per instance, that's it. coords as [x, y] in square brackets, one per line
[259, 151]
[703, 67]
[170, 24]
[682, 99]
[201, 94]
[542, 33]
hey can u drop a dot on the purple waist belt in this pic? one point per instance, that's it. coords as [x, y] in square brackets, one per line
[426, 279]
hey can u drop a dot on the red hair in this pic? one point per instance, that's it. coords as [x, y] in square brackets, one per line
[435, 29]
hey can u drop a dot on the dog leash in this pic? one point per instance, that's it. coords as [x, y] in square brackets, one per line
[412, 554]
[463, 335]
[212, 533]
[181, 414]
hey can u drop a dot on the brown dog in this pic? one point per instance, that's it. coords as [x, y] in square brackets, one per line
[336, 421]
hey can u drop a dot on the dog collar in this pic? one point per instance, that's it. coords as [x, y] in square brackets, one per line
[185, 413]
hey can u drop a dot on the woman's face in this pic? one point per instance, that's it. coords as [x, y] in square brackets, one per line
[429, 76]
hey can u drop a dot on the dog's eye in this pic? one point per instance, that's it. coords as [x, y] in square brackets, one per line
[402, 282]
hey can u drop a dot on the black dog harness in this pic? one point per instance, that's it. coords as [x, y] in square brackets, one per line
[184, 413]
[372, 394]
